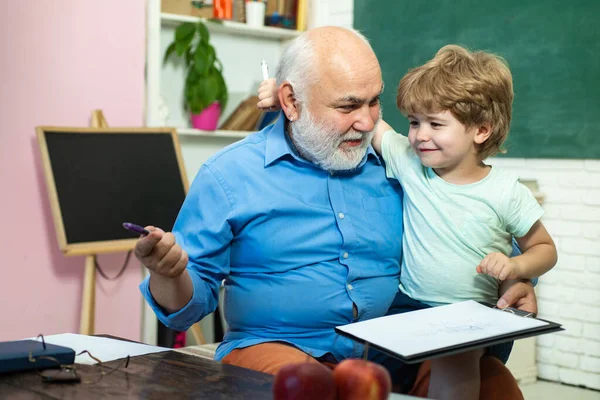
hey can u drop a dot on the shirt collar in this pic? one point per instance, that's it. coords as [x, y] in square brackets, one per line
[278, 145]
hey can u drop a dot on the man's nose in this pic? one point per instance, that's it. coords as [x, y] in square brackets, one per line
[365, 121]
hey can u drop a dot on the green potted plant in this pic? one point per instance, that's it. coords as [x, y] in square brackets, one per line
[205, 93]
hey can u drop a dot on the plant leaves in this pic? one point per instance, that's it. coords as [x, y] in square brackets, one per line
[188, 56]
[193, 100]
[202, 92]
[184, 31]
[211, 56]
[201, 60]
[168, 52]
[222, 96]
[204, 82]
[184, 37]
[203, 31]
[210, 88]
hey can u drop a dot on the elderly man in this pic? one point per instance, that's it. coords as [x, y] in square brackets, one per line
[301, 223]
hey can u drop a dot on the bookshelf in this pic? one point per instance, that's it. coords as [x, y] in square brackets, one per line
[231, 27]
[240, 48]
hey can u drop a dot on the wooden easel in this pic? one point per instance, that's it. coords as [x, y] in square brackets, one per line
[88, 305]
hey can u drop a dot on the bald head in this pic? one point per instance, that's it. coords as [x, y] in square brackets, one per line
[337, 50]
[323, 53]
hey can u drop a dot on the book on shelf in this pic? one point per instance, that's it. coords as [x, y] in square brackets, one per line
[244, 118]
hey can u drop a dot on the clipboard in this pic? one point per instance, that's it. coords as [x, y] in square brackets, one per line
[442, 331]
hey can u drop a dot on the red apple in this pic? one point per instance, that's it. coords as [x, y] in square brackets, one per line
[304, 381]
[358, 379]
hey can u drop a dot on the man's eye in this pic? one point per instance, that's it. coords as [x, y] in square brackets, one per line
[374, 102]
[348, 107]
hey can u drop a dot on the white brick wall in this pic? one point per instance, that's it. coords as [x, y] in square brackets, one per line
[570, 293]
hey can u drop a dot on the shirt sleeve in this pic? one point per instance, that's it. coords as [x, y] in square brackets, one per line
[395, 150]
[203, 231]
[523, 210]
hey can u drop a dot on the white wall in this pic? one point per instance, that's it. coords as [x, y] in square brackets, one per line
[570, 293]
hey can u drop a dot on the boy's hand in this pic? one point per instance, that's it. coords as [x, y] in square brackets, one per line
[267, 95]
[499, 266]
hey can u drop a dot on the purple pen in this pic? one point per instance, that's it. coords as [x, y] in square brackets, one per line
[135, 228]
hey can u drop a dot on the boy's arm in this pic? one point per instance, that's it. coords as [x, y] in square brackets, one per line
[381, 128]
[539, 253]
[538, 257]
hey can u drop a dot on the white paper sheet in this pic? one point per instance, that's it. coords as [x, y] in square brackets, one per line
[104, 349]
[435, 328]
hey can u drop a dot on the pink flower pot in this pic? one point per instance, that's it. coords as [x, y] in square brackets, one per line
[209, 117]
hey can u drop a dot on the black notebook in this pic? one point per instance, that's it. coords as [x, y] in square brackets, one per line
[435, 332]
[14, 356]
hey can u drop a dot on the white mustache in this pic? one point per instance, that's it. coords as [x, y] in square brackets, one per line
[353, 136]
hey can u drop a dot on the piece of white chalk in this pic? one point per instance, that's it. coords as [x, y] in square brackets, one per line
[265, 69]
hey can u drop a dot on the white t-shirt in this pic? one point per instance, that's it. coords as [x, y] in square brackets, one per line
[449, 229]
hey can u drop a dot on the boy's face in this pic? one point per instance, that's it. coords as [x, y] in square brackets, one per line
[442, 142]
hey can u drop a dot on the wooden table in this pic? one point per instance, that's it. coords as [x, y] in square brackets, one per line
[166, 375]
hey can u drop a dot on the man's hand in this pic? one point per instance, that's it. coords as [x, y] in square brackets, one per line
[520, 295]
[267, 95]
[499, 266]
[160, 254]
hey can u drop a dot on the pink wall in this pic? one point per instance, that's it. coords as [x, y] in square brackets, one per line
[60, 59]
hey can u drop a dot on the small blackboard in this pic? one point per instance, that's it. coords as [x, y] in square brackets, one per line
[98, 178]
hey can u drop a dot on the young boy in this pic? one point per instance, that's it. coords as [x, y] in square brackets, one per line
[459, 214]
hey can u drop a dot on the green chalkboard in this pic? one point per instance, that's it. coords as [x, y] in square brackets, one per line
[552, 47]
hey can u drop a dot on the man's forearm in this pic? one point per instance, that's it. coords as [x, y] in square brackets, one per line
[172, 294]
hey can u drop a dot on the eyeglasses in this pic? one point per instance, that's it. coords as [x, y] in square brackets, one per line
[51, 369]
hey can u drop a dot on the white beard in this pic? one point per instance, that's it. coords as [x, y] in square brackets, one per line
[320, 143]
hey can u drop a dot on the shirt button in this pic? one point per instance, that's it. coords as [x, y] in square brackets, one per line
[350, 287]
[345, 255]
[341, 215]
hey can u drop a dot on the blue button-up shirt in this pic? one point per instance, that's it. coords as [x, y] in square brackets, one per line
[296, 246]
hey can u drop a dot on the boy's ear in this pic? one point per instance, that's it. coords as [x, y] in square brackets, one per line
[482, 134]
[287, 99]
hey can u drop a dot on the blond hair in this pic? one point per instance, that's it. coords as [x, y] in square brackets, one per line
[476, 87]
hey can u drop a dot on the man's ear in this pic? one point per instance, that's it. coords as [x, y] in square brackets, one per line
[482, 133]
[287, 99]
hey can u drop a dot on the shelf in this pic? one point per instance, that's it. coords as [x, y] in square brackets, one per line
[231, 27]
[213, 134]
